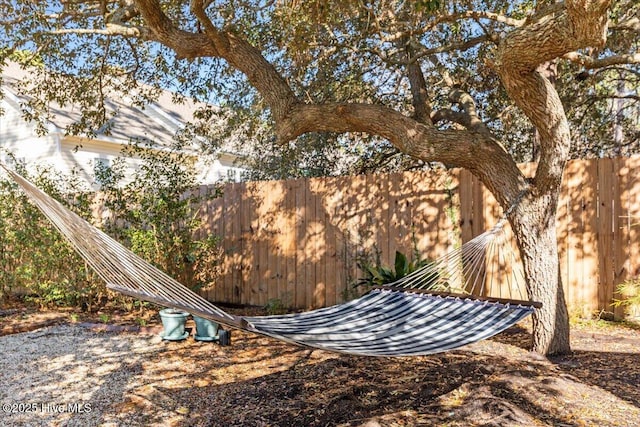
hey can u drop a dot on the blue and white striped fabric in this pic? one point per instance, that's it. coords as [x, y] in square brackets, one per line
[393, 323]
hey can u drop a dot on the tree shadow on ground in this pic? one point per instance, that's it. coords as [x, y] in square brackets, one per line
[456, 388]
[618, 373]
[257, 381]
[614, 371]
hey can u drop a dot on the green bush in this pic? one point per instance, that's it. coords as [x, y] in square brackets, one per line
[630, 292]
[155, 213]
[378, 275]
[35, 260]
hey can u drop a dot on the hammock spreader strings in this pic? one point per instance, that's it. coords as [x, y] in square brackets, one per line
[474, 268]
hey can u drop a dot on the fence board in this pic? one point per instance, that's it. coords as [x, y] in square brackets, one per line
[301, 238]
[587, 205]
[393, 232]
[466, 204]
[332, 205]
[232, 242]
[359, 232]
[289, 241]
[317, 229]
[605, 231]
[267, 256]
[244, 270]
[403, 205]
[570, 229]
[620, 232]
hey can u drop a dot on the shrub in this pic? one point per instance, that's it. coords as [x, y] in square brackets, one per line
[377, 274]
[155, 213]
[35, 260]
[630, 291]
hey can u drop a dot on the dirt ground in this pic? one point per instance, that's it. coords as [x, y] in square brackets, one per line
[125, 375]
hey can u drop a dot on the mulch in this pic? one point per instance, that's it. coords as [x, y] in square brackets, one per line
[260, 382]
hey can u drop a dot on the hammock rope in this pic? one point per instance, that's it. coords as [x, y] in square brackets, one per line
[439, 307]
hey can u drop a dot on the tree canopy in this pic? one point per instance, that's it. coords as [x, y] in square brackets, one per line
[473, 84]
[409, 56]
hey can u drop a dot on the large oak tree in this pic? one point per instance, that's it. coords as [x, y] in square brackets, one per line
[438, 81]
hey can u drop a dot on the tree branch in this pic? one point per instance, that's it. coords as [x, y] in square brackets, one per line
[544, 11]
[109, 30]
[631, 24]
[477, 152]
[125, 13]
[468, 105]
[592, 63]
[580, 24]
[417, 84]
[243, 56]
[468, 117]
[448, 115]
[459, 46]
[423, 52]
[473, 150]
[476, 15]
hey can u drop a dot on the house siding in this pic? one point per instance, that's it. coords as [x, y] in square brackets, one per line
[19, 138]
[156, 123]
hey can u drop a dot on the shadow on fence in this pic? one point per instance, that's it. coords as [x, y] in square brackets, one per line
[299, 241]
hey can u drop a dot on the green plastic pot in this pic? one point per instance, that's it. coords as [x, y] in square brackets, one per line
[173, 322]
[206, 330]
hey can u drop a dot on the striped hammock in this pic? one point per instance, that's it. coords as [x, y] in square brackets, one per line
[428, 311]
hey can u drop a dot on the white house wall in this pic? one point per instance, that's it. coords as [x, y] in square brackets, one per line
[157, 122]
[20, 139]
[67, 154]
[222, 168]
[83, 155]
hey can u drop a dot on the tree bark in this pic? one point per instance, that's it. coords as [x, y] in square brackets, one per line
[534, 226]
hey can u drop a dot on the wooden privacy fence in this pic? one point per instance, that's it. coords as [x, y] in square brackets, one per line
[299, 241]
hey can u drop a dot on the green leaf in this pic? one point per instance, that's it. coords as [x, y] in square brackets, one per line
[401, 265]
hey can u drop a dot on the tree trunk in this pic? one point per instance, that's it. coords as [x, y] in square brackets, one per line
[518, 56]
[535, 230]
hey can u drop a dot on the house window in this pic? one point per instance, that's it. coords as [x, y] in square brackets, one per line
[100, 167]
[232, 175]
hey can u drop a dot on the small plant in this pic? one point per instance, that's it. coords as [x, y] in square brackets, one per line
[275, 306]
[630, 292]
[74, 317]
[377, 275]
[104, 318]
